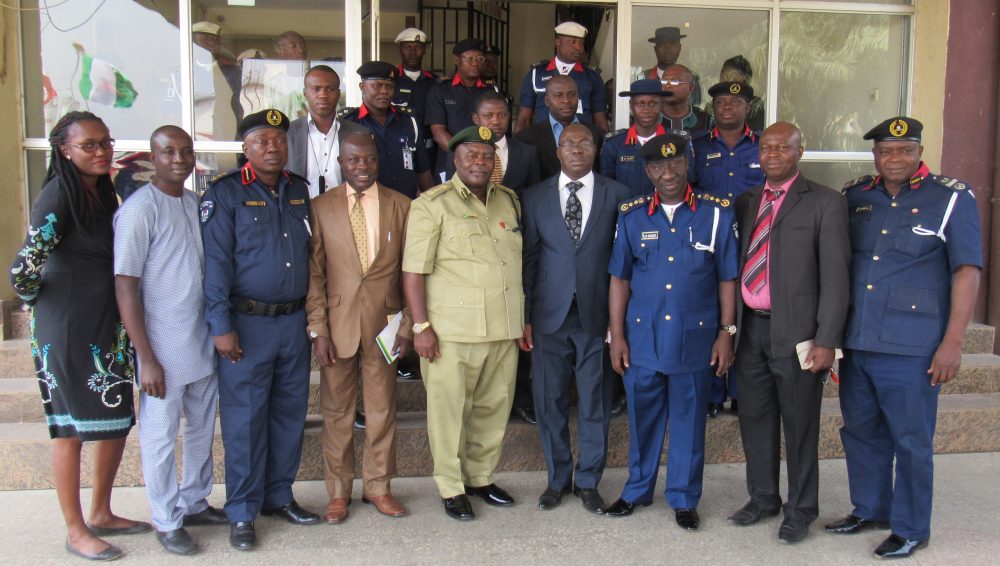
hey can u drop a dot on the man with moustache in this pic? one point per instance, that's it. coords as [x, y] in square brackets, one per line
[672, 317]
[569, 223]
[793, 288]
[314, 139]
[356, 252]
[255, 227]
[158, 249]
[561, 99]
[462, 280]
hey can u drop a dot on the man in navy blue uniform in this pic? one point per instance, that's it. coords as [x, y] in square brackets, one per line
[402, 155]
[672, 306]
[620, 159]
[255, 228]
[593, 100]
[916, 259]
[726, 164]
[414, 82]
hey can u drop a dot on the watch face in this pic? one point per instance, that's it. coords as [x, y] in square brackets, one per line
[313, 334]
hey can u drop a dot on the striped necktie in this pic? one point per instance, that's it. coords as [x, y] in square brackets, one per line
[755, 270]
[497, 175]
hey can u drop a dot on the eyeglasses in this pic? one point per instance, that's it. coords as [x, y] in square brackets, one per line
[475, 59]
[91, 147]
[672, 82]
[583, 146]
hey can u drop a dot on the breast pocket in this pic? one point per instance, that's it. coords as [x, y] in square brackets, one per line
[860, 230]
[299, 220]
[463, 312]
[463, 238]
[645, 252]
[253, 226]
[918, 236]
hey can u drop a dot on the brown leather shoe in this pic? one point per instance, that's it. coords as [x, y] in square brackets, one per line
[336, 512]
[386, 504]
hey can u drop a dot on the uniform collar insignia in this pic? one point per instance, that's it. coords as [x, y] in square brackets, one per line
[747, 133]
[363, 110]
[653, 203]
[632, 137]
[690, 199]
[247, 174]
[915, 181]
[457, 80]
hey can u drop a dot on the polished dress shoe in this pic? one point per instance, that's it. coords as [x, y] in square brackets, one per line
[209, 516]
[385, 504]
[622, 508]
[405, 371]
[591, 499]
[687, 519]
[137, 528]
[551, 498]
[751, 513]
[853, 524]
[242, 535]
[792, 530]
[619, 406]
[898, 547]
[177, 541]
[713, 410]
[734, 406]
[112, 552]
[526, 414]
[293, 513]
[359, 420]
[459, 507]
[336, 511]
[491, 494]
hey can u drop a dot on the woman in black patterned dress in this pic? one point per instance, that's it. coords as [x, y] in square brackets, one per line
[83, 359]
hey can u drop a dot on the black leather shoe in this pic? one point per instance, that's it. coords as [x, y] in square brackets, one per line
[713, 410]
[293, 513]
[491, 494]
[898, 547]
[209, 516]
[622, 508]
[177, 541]
[792, 530]
[551, 498]
[359, 420]
[591, 499]
[734, 406]
[459, 507]
[687, 519]
[619, 407]
[853, 524]
[406, 373]
[526, 414]
[242, 535]
[750, 514]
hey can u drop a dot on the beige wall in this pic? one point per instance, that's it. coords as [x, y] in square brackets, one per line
[12, 223]
[930, 58]
[531, 39]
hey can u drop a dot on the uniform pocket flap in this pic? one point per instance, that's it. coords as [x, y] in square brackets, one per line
[461, 228]
[912, 299]
[464, 297]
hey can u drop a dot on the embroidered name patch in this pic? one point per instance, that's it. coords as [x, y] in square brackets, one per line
[297, 201]
[624, 158]
[254, 203]
[713, 155]
[654, 235]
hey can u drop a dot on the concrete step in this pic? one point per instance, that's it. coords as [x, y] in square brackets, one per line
[966, 423]
[979, 339]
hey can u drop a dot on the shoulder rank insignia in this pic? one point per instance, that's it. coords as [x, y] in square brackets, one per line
[541, 63]
[347, 110]
[723, 202]
[222, 176]
[610, 135]
[435, 192]
[950, 182]
[634, 204]
[858, 182]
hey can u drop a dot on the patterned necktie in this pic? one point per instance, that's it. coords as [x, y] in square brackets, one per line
[360, 229]
[755, 271]
[497, 175]
[574, 211]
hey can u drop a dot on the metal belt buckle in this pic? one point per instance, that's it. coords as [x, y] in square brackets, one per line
[251, 306]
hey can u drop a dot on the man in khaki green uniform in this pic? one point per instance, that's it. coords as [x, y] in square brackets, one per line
[462, 280]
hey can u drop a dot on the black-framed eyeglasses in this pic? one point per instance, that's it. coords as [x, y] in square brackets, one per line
[674, 82]
[91, 147]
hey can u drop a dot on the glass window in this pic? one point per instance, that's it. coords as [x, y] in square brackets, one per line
[119, 60]
[835, 174]
[840, 74]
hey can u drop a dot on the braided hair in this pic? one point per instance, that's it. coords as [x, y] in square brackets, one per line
[86, 209]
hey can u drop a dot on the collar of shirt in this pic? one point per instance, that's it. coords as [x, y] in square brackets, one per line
[363, 111]
[372, 190]
[465, 192]
[457, 80]
[503, 150]
[587, 180]
[689, 198]
[557, 126]
[747, 133]
[783, 186]
[564, 67]
[923, 171]
[776, 203]
[632, 137]
[584, 194]
[334, 128]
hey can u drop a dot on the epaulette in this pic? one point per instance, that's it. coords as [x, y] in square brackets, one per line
[222, 176]
[347, 110]
[634, 204]
[435, 192]
[701, 134]
[950, 182]
[297, 176]
[507, 189]
[594, 68]
[723, 202]
[867, 179]
[403, 108]
[610, 135]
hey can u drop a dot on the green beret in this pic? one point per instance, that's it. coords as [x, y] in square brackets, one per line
[472, 134]
[269, 118]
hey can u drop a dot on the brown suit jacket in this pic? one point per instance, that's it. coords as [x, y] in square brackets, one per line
[810, 257]
[344, 304]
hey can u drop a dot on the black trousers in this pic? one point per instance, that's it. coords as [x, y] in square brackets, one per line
[775, 392]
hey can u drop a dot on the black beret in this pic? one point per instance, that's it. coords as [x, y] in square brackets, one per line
[732, 87]
[468, 44]
[899, 128]
[665, 146]
[269, 118]
[491, 49]
[377, 70]
[472, 134]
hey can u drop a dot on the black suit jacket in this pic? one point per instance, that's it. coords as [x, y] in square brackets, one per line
[554, 267]
[809, 255]
[523, 166]
[540, 136]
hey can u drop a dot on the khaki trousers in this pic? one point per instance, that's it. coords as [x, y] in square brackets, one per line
[470, 389]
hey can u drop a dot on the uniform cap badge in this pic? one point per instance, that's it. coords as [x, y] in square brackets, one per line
[485, 133]
[668, 150]
[734, 88]
[898, 128]
[273, 117]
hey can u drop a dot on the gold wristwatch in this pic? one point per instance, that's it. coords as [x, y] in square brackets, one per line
[421, 326]
[729, 328]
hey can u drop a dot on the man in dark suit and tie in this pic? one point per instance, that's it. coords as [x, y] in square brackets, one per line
[562, 98]
[569, 224]
[795, 256]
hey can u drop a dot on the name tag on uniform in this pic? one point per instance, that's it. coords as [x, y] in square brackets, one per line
[254, 203]
[405, 90]
[713, 156]
[863, 209]
[450, 102]
[297, 201]
[624, 158]
[654, 235]
[755, 165]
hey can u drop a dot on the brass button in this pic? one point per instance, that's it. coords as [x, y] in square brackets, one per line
[673, 229]
[884, 231]
[913, 307]
[288, 264]
[915, 210]
[642, 245]
[731, 173]
[669, 286]
[637, 320]
[667, 317]
[893, 205]
[671, 258]
[869, 286]
[875, 258]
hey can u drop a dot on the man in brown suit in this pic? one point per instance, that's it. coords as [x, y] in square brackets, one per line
[356, 253]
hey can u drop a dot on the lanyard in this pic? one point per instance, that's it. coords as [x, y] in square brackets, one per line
[322, 170]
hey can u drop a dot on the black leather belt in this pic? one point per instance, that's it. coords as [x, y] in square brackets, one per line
[760, 313]
[250, 306]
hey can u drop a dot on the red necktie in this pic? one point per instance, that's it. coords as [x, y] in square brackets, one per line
[755, 270]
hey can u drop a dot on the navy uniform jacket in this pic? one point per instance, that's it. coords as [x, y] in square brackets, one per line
[449, 103]
[904, 252]
[256, 245]
[723, 172]
[620, 159]
[401, 149]
[674, 270]
[593, 98]
[412, 94]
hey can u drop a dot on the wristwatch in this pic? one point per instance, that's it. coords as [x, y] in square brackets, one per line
[313, 336]
[421, 326]
[729, 328]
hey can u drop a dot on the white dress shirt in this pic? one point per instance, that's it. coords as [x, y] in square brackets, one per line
[502, 150]
[321, 158]
[584, 193]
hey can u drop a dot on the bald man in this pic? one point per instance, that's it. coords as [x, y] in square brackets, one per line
[561, 99]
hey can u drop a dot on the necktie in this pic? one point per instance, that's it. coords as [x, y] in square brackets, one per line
[497, 175]
[574, 211]
[360, 229]
[755, 271]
